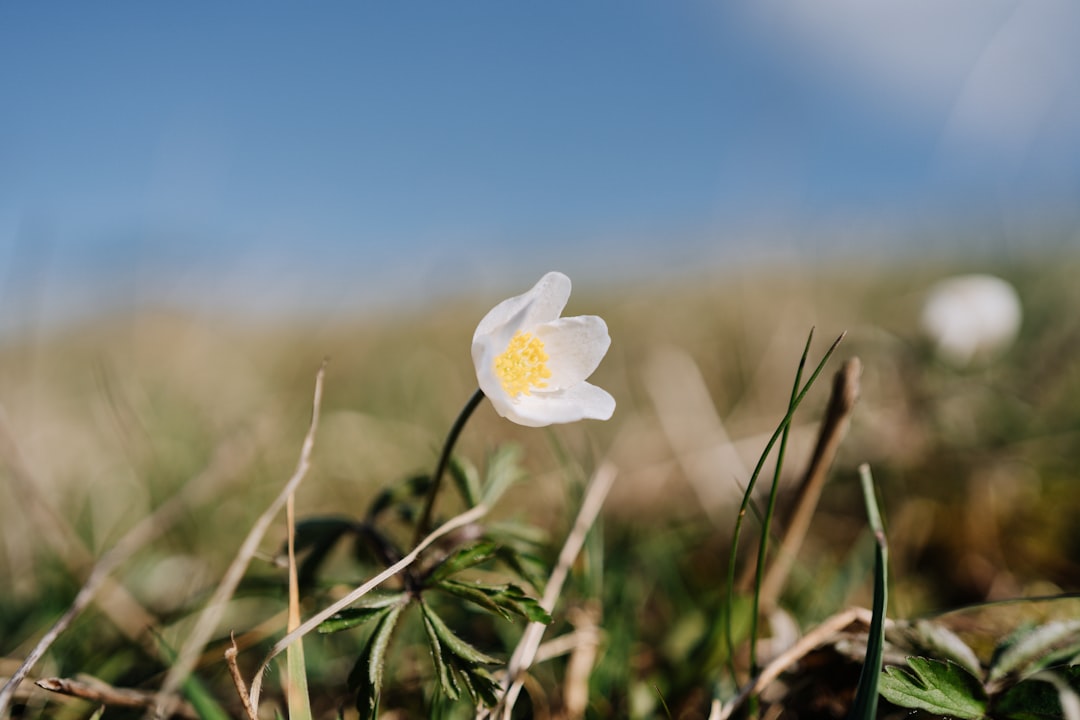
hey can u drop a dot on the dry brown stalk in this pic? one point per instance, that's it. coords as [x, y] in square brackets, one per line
[814, 639]
[95, 691]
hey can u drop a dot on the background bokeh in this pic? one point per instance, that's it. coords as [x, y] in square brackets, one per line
[356, 156]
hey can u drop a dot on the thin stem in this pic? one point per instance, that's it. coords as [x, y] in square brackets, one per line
[766, 524]
[733, 559]
[444, 460]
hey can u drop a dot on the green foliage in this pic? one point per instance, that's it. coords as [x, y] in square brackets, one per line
[1039, 698]
[369, 608]
[1017, 686]
[367, 673]
[462, 559]
[458, 665]
[1029, 651]
[865, 706]
[939, 687]
[506, 600]
[112, 430]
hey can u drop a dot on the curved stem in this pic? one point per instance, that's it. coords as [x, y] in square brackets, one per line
[444, 460]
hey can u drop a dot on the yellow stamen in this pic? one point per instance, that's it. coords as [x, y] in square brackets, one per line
[523, 366]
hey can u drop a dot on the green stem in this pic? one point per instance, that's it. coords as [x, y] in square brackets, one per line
[766, 524]
[733, 559]
[423, 525]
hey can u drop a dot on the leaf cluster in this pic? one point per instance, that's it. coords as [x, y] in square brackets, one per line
[448, 570]
[1034, 674]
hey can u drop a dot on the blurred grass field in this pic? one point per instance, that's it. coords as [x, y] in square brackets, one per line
[104, 422]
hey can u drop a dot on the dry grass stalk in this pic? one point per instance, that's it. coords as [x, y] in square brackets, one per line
[460, 521]
[526, 651]
[211, 615]
[814, 639]
[93, 690]
[228, 461]
[238, 679]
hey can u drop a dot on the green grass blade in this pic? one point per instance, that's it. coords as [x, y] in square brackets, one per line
[299, 703]
[866, 697]
[766, 522]
[727, 619]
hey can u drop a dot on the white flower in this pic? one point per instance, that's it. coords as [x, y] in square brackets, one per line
[532, 364]
[971, 316]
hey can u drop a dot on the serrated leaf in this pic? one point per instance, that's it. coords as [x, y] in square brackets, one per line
[370, 608]
[526, 605]
[452, 642]
[367, 674]
[1037, 649]
[463, 559]
[474, 594]
[481, 686]
[1038, 699]
[442, 670]
[941, 687]
[528, 567]
[502, 599]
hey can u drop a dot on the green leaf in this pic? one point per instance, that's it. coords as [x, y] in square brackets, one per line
[371, 607]
[1040, 698]
[939, 687]
[865, 705]
[481, 686]
[442, 669]
[463, 559]
[525, 605]
[528, 567]
[475, 594]
[1037, 649]
[504, 600]
[452, 642]
[367, 674]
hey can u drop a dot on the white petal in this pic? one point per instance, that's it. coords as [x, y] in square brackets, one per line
[484, 355]
[564, 406]
[543, 303]
[575, 347]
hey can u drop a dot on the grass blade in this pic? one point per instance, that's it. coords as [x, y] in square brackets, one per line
[866, 697]
[733, 559]
[296, 677]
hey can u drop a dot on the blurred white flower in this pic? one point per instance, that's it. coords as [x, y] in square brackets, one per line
[971, 316]
[532, 364]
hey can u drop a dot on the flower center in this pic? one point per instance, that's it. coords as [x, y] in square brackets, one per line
[523, 366]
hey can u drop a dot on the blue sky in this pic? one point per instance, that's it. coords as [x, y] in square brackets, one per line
[353, 153]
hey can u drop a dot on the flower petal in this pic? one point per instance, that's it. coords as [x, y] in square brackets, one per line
[542, 303]
[484, 353]
[575, 347]
[563, 406]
